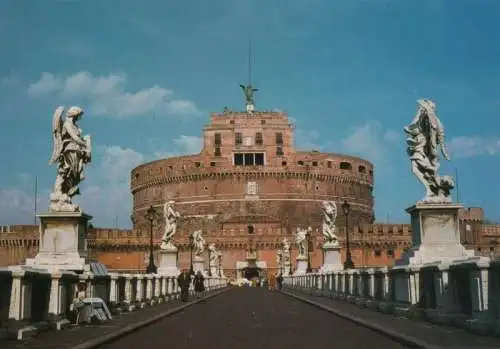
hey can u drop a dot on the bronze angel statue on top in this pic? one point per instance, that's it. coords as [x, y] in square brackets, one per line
[71, 152]
[425, 141]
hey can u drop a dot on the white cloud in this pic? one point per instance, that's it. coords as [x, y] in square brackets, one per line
[106, 95]
[466, 147]
[370, 141]
[189, 144]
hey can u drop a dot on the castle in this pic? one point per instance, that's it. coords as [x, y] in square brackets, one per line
[247, 189]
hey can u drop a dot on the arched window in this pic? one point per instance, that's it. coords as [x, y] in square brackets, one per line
[362, 169]
[345, 166]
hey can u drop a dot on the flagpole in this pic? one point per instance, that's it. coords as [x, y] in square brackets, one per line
[36, 199]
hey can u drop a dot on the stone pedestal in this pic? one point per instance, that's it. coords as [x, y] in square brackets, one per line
[168, 262]
[301, 265]
[332, 258]
[435, 235]
[63, 243]
[199, 264]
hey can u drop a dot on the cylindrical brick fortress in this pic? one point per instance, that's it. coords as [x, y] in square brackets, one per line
[249, 188]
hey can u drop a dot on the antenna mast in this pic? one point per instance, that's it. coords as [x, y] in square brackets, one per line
[249, 61]
[36, 197]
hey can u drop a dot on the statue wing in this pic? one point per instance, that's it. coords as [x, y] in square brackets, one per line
[255, 89]
[57, 134]
[243, 87]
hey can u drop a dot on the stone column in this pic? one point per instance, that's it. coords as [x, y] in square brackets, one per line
[139, 290]
[113, 288]
[157, 289]
[55, 296]
[17, 297]
[371, 283]
[149, 287]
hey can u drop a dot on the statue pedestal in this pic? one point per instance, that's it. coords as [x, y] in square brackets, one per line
[63, 242]
[301, 265]
[435, 235]
[168, 261]
[332, 258]
[199, 265]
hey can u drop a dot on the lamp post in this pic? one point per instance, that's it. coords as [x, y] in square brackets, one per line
[309, 249]
[151, 215]
[220, 264]
[191, 243]
[348, 264]
[209, 266]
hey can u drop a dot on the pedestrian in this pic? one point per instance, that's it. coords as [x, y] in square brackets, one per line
[279, 281]
[272, 282]
[184, 281]
[199, 284]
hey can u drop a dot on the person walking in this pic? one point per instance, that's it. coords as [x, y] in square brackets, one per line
[183, 282]
[199, 284]
[279, 281]
[272, 282]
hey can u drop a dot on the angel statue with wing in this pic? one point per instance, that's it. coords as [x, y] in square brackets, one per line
[425, 141]
[248, 90]
[71, 152]
[329, 217]
[171, 218]
[213, 254]
[198, 243]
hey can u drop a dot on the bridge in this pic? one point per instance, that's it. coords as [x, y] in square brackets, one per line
[344, 309]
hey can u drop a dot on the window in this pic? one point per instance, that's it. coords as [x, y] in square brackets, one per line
[390, 253]
[212, 163]
[371, 173]
[301, 163]
[315, 163]
[170, 167]
[283, 163]
[250, 229]
[279, 138]
[217, 139]
[377, 253]
[258, 138]
[262, 122]
[329, 164]
[231, 122]
[197, 164]
[259, 159]
[362, 169]
[279, 151]
[249, 159]
[345, 166]
[238, 159]
[238, 138]
[217, 151]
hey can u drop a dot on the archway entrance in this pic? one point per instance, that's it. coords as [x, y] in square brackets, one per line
[251, 272]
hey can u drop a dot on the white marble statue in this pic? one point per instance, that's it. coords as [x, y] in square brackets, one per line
[329, 217]
[300, 240]
[213, 254]
[71, 152]
[198, 243]
[171, 218]
[425, 141]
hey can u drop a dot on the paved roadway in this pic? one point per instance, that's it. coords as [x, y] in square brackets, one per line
[253, 318]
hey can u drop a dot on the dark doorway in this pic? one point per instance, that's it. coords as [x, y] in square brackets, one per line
[251, 272]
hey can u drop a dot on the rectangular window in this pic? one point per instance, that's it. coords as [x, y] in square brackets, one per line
[279, 151]
[390, 253]
[249, 159]
[377, 253]
[329, 164]
[197, 164]
[279, 138]
[217, 139]
[301, 163]
[238, 159]
[212, 163]
[259, 159]
[315, 163]
[283, 163]
[217, 151]
[258, 138]
[250, 229]
[238, 138]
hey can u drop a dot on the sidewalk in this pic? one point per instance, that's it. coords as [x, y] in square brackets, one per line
[74, 335]
[441, 336]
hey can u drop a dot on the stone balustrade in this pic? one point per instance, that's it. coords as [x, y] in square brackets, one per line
[31, 298]
[464, 294]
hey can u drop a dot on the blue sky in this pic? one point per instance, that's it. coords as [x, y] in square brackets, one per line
[149, 72]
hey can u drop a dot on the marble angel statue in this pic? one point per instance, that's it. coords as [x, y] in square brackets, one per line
[171, 218]
[279, 258]
[198, 243]
[300, 240]
[425, 141]
[329, 217]
[214, 255]
[71, 152]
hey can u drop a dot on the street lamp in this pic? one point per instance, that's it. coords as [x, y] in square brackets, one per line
[151, 215]
[209, 266]
[309, 249]
[191, 243]
[348, 264]
[220, 264]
